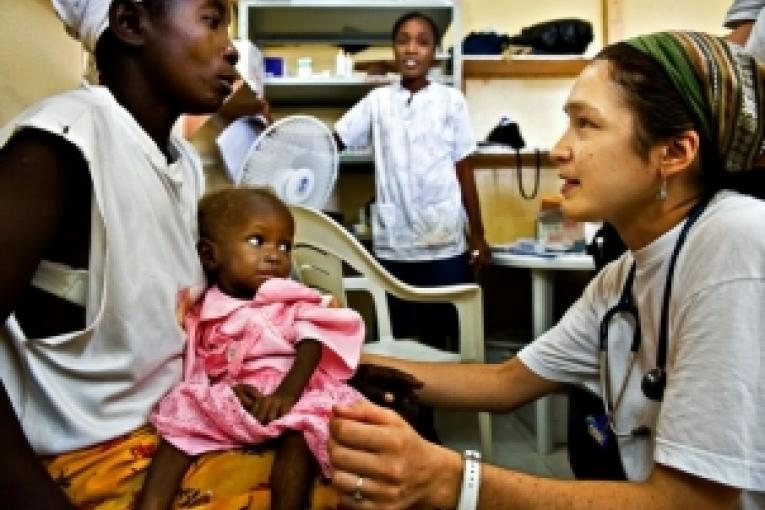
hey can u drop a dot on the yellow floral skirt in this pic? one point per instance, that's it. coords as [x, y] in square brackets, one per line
[109, 476]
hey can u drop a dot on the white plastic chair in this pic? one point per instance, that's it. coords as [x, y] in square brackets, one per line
[322, 245]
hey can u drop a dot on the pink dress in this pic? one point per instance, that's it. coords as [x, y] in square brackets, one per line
[235, 341]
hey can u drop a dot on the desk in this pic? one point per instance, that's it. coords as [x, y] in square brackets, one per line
[542, 294]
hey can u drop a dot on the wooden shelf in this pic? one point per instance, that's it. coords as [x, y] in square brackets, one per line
[505, 158]
[389, 65]
[522, 67]
[484, 157]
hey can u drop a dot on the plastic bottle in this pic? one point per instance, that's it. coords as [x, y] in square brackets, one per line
[348, 65]
[304, 67]
[340, 65]
[554, 231]
[550, 224]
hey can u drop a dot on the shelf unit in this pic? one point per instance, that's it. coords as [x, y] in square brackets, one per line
[321, 91]
[270, 23]
[490, 157]
[484, 157]
[532, 66]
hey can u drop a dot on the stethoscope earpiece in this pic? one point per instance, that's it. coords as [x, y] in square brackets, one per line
[653, 383]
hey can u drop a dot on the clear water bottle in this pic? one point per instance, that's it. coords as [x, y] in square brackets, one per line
[550, 232]
[554, 231]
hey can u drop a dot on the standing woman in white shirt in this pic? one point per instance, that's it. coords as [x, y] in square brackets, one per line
[425, 189]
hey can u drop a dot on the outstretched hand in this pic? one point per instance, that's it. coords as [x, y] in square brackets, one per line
[397, 468]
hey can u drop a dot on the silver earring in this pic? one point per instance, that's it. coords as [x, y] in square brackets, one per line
[662, 194]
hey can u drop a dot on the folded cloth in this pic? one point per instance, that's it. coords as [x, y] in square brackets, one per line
[85, 20]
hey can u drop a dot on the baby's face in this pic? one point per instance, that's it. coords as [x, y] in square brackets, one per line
[254, 250]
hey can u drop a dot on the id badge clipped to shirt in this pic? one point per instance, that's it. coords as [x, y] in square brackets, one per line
[599, 428]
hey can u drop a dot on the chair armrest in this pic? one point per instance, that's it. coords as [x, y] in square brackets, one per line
[466, 298]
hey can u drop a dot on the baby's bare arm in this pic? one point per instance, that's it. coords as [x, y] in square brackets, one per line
[266, 408]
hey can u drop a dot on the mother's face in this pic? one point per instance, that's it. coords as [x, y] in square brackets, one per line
[190, 56]
[604, 177]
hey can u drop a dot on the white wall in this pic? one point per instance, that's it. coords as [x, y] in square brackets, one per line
[643, 16]
[536, 104]
[37, 58]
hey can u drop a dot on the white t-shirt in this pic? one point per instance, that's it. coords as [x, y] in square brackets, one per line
[77, 389]
[417, 140]
[711, 420]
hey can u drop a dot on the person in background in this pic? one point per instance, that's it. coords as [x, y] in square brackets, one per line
[746, 18]
[266, 358]
[422, 139]
[99, 253]
[670, 335]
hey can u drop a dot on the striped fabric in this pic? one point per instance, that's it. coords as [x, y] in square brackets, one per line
[723, 87]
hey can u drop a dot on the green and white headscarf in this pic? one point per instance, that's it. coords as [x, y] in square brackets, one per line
[723, 86]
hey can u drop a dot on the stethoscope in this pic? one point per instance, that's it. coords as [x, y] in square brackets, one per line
[654, 381]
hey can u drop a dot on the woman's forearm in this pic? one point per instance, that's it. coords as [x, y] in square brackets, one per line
[666, 489]
[497, 387]
[375, 443]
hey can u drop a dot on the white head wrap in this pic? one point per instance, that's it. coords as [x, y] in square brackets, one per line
[85, 20]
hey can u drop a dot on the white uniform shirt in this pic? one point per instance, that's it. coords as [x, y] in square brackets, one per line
[77, 389]
[711, 420]
[417, 140]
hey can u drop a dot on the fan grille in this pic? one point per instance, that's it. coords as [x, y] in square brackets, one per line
[288, 154]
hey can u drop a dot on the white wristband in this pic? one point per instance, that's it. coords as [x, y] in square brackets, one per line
[471, 480]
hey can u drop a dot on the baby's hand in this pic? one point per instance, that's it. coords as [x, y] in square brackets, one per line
[183, 304]
[384, 385]
[264, 408]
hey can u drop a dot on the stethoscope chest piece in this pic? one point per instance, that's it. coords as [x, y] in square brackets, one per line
[653, 383]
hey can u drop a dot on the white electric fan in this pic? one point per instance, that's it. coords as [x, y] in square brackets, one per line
[297, 157]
